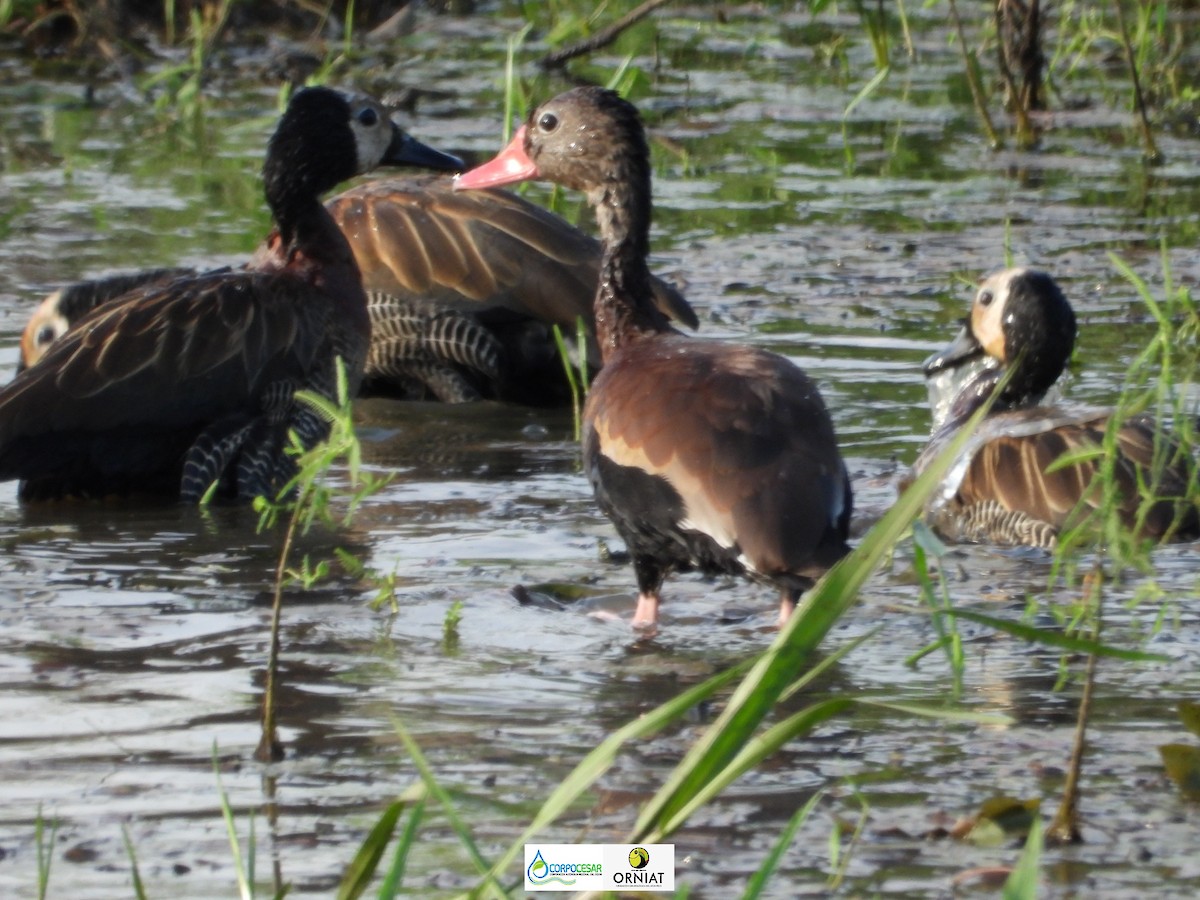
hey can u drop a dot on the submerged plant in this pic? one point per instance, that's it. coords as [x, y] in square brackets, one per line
[45, 852]
[305, 500]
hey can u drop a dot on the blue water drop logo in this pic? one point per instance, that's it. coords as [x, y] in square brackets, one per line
[537, 869]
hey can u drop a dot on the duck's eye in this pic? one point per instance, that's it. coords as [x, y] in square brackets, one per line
[548, 122]
[45, 335]
[986, 298]
[368, 117]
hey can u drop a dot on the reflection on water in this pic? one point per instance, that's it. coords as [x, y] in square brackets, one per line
[132, 639]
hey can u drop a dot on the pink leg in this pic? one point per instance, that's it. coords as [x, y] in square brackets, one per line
[787, 606]
[645, 617]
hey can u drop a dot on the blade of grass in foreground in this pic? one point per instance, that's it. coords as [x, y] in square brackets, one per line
[759, 879]
[595, 764]
[245, 872]
[362, 868]
[759, 691]
[1052, 638]
[391, 882]
[439, 794]
[1022, 884]
[761, 746]
[139, 889]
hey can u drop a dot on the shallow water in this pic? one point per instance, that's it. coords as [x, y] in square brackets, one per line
[132, 639]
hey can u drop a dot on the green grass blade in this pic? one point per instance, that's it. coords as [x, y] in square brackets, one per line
[139, 889]
[565, 355]
[1055, 638]
[1022, 884]
[245, 880]
[362, 868]
[758, 881]
[970, 716]
[596, 763]
[761, 746]
[808, 625]
[395, 875]
[754, 751]
[867, 89]
[443, 798]
[581, 341]
[513, 104]
[828, 663]
[45, 852]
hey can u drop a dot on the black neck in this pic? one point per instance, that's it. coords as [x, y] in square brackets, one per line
[624, 307]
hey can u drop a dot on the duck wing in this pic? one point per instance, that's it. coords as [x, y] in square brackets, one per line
[141, 376]
[417, 238]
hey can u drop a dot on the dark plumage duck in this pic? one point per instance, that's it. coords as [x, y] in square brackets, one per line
[61, 309]
[190, 381]
[463, 289]
[705, 455]
[999, 490]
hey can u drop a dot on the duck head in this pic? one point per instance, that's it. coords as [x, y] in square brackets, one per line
[588, 139]
[1020, 322]
[327, 136]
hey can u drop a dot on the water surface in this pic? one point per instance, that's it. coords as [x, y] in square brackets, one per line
[132, 639]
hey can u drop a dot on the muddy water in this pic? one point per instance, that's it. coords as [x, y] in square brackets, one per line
[132, 639]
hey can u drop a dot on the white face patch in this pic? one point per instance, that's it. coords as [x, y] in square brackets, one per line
[45, 327]
[987, 312]
[372, 129]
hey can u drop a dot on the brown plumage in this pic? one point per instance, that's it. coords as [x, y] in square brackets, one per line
[464, 289]
[61, 309]
[1000, 489]
[490, 273]
[189, 381]
[705, 455]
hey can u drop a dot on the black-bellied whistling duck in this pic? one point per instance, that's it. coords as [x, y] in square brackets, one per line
[463, 290]
[188, 382]
[999, 489]
[705, 455]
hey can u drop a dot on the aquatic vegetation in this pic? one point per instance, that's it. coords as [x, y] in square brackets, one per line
[309, 498]
[847, 198]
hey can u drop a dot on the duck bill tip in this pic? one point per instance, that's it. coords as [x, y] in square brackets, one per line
[510, 165]
[964, 347]
[408, 151]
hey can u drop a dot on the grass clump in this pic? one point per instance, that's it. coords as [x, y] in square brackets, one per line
[306, 500]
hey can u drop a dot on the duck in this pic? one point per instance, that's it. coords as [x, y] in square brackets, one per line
[185, 385]
[705, 455]
[465, 289]
[1001, 489]
[463, 292]
[59, 310]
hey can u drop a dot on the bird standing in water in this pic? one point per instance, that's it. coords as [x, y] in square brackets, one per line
[705, 455]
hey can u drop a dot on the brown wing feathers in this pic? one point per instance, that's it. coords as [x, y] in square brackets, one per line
[1013, 471]
[738, 436]
[417, 236]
